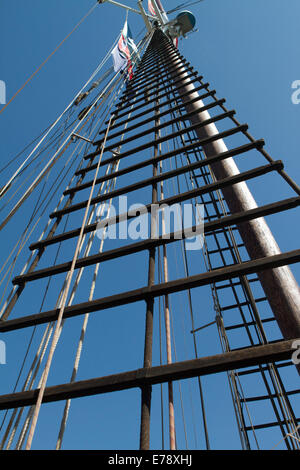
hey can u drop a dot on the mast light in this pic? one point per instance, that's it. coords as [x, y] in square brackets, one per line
[183, 23]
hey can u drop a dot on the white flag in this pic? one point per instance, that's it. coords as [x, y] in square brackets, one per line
[120, 62]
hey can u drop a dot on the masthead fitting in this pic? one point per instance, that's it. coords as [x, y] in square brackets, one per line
[183, 23]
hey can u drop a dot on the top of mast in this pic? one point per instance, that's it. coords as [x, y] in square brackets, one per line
[183, 23]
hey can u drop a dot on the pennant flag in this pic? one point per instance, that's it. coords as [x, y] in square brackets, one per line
[131, 44]
[123, 51]
[151, 9]
[160, 7]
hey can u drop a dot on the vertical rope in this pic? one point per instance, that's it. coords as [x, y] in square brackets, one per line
[72, 295]
[62, 308]
[49, 57]
[172, 436]
[84, 326]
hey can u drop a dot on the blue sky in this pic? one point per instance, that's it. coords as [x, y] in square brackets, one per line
[248, 51]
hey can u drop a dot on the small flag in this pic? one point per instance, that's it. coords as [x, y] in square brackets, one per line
[119, 59]
[160, 7]
[150, 8]
[123, 51]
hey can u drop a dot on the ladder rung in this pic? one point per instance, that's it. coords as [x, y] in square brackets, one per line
[208, 140]
[234, 284]
[157, 59]
[210, 226]
[160, 115]
[201, 175]
[144, 73]
[133, 248]
[267, 397]
[269, 425]
[146, 82]
[252, 323]
[184, 169]
[149, 376]
[153, 109]
[264, 368]
[226, 248]
[164, 103]
[147, 111]
[157, 290]
[162, 139]
[229, 181]
[214, 217]
[157, 127]
[157, 89]
[148, 76]
[242, 304]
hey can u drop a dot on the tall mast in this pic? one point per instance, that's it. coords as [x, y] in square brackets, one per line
[163, 129]
[279, 284]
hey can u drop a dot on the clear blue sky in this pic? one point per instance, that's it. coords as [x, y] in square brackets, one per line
[248, 50]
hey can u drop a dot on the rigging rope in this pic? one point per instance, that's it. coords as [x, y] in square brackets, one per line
[40, 238]
[160, 362]
[15, 293]
[172, 433]
[35, 361]
[272, 368]
[175, 248]
[49, 57]
[70, 301]
[183, 246]
[291, 435]
[51, 145]
[6, 187]
[22, 435]
[53, 160]
[24, 431]
[110, 186]
[62, 307]
[44, 231]
[25, 426]
[23, 150]
[183, 5]
[22, 240]
[109, 107]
